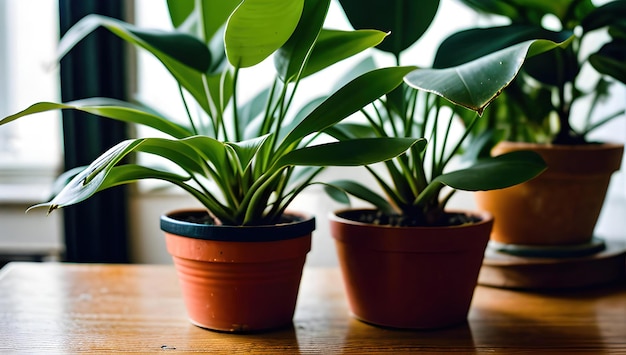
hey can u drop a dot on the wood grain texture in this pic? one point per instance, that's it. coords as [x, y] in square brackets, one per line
[86, 308]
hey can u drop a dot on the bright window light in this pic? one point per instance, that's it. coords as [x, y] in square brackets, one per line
[28, 38]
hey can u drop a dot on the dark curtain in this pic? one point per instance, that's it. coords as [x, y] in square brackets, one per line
[95, 230]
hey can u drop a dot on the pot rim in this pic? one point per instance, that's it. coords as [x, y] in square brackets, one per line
[565, 147]
[484, 216]
[412, 240]
[303, 226]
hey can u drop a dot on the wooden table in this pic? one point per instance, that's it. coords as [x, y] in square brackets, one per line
[69, 308]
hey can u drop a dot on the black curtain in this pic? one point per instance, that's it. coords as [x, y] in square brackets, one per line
[95, 230]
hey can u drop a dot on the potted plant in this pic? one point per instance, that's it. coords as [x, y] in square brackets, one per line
[557, 212]
[240, 258]
[410, 262]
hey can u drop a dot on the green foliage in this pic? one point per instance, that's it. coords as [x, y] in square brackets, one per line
[428, 106]
[245, 162]
[551, 85]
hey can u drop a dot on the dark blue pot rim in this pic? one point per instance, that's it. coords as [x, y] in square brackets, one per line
[303, 225]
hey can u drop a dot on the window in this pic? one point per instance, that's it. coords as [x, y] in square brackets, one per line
[32, 147]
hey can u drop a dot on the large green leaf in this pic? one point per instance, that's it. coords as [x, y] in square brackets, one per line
[495, 172]
[290, 59]
[497, 7]
[605, 15]
[188, 154]
[346, 101]
[611, 60]
[475, 84]
[407, 20]
[528, 10]
[559, 8]
[184, 56]
[257, 28]
[353, 152]
[553, 67]
[99, 106]
[467, 45]
[333, 46]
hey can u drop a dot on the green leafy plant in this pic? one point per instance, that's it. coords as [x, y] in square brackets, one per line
[537, 107]
[245, 162]
[414, 184]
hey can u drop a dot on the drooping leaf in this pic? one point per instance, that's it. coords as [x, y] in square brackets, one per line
[88, 182]
[467, 45]
[99, 106]
[165, 45]
[184, 56]
[475, 84]
[553, 67]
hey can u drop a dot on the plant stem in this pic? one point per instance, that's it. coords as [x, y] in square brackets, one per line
[468, 130]
[191, 121]
[235, 108]
[441, 165]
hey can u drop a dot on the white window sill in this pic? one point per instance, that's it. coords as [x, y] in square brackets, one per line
[24, 194]
[26, 185]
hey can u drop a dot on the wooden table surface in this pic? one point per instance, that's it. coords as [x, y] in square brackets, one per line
[71, 308]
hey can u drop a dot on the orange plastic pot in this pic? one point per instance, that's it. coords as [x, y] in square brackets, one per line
[238, 279]
[562, 205]
[410, 277]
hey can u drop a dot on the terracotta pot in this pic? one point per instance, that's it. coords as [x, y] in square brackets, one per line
[238, 279]
[410, 277]
[560, 206]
